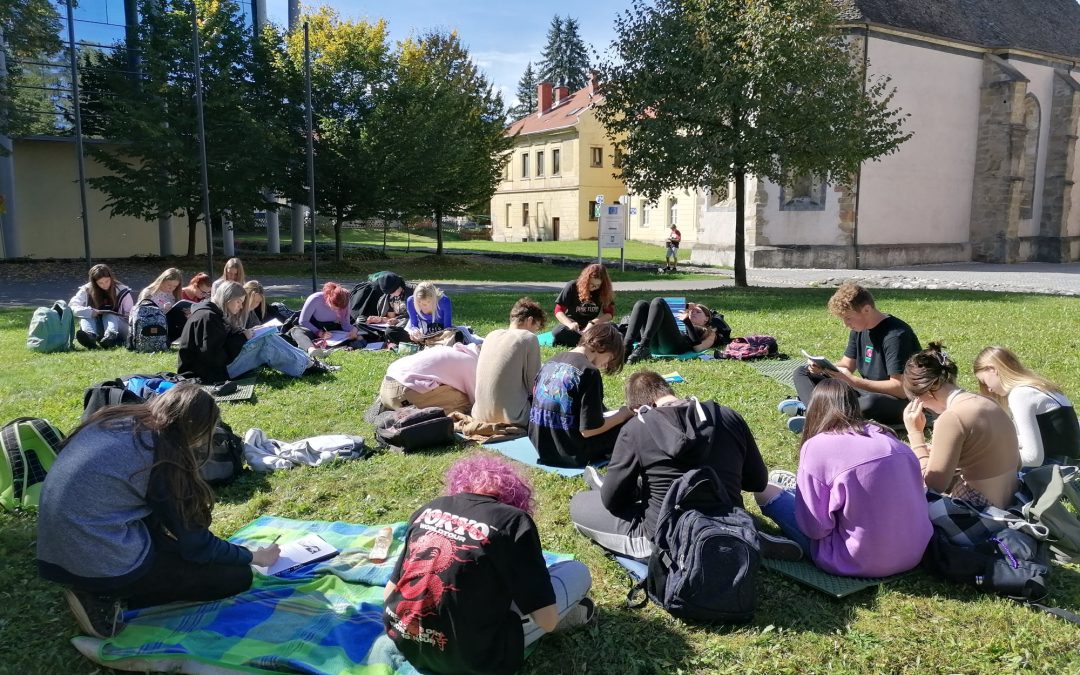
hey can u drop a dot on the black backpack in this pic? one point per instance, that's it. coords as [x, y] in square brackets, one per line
[705, 554]
[410, 429]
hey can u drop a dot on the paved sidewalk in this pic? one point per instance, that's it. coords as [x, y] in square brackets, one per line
[1043, 278]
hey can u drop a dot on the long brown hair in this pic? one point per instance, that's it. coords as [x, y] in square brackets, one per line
[180, 425]
[606, 293]
[928, 370]
[834, 408]
[98, 297]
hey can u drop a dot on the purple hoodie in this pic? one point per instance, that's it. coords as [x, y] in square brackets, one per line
[861, 501]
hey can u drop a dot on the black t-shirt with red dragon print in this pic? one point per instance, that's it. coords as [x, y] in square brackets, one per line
[466, 559]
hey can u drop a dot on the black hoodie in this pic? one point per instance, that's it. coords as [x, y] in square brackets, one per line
[366, 297]
[658, 445]
[208, 344]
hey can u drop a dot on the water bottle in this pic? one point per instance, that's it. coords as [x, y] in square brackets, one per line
[381, 548]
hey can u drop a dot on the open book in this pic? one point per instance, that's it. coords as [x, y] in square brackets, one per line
[820, 361]
[299, 552]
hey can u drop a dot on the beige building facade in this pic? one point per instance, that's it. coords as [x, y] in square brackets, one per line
[990, 174]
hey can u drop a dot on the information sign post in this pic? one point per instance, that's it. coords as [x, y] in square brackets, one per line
[612, 233]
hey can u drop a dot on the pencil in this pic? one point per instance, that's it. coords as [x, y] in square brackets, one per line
[274, 540]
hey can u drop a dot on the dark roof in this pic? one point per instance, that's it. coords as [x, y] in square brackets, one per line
[1048, 26]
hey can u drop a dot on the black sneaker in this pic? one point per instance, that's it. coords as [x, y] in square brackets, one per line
[317, 367]
[642, 353]
[96, 615]
[87, 340]
[778, 548]
[111, 341]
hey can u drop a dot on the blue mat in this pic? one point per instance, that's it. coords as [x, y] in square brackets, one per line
[522, 450]
[636, 568]
[546, 339]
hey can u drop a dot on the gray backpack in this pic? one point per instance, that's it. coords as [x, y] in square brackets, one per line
[149, 329]
[51, 329]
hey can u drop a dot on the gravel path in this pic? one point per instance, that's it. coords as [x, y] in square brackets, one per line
[41, 283]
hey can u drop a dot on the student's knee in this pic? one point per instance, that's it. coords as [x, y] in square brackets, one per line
[584, 504]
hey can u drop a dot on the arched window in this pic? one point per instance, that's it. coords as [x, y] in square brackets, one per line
[1032, 116]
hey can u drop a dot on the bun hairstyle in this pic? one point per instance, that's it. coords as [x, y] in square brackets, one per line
[927, 370]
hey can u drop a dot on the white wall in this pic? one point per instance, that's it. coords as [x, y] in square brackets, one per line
[922, 193]
[799, 227]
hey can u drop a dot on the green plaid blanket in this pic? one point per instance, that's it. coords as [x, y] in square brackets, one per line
[323, 618]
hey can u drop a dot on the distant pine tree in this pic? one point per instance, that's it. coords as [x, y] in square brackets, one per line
[526, 94]
[551, 60]
[565, 60]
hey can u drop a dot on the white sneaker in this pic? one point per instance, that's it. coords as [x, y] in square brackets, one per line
[318, 353]
[592, 478]
[783, 478]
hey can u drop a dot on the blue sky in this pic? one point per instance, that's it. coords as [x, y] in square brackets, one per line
[502, 36]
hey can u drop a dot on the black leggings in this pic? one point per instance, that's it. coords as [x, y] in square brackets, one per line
[653, 324]
[173, 579]
[887, 410]
[565, 337]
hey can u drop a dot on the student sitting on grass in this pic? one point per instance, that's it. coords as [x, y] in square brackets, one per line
[165, 293]
[215, 345]
[1045, 420]
[323, 314]
[258, 310]
[471, 590]
[857, 505]
[974, 454]
[198, 288]
[587, 301]
[507, 367]
[668, 437]
[437, 377]
[655, 329]
[568, 424]
[125, 515]
[102, 307]
[233, 271]
[878, 347]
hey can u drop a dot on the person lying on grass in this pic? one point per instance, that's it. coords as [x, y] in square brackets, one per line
[471, 589]
[655, 329]
[124, 514]
[857, 505]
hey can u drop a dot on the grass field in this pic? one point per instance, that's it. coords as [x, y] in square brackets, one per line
[915, 625]
[425, 239]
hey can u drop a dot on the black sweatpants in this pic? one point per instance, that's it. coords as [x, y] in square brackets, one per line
[565, 337]
[173, 579]
[887, 410]
[653, 324]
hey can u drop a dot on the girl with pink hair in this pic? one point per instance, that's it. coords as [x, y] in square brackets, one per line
[471, 589]
[325, 316]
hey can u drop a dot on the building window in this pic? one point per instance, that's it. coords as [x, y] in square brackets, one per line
[525, 215]
[598, 157]
[803, 193]
[616, 161]
[594, 211]
[555, 162]
[1032, 116]
[646, 213]
[507, 221]
[525, 165]
[673, 209]
[540, 163]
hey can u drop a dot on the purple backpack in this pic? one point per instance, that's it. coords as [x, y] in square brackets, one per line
[750, 347]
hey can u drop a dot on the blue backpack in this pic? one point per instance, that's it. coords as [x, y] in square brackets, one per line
[705, 555]
[51, 328]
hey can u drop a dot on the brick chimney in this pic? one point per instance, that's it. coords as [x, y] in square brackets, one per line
[543, 98]
[594, 83]
[561, 94]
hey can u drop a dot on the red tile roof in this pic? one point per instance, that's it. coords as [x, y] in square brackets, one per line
[563, 114]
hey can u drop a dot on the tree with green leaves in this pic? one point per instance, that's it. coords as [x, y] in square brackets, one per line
[445, 127]
[29, 32]
[154, 166]
[705, 92]
[526, 94]
[565, 60]
[351, 69]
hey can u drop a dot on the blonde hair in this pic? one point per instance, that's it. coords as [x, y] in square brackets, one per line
[425, 291]
[1011, 372]
[234, 264]
[171, 274]
[251, 288]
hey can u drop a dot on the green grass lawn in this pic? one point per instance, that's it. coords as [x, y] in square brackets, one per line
[419, 266]
[915, 625]
[400, 239]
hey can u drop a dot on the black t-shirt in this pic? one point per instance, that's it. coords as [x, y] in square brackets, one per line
[568, 397]
[882, 351]
[581, 312]
[466, 559]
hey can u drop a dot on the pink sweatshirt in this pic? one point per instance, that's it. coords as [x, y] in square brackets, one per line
[453, 366]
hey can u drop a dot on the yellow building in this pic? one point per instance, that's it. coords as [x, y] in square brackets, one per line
[651, 221]
[561, 161]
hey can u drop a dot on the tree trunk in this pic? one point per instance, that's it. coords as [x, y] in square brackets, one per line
[192, 223]
[740, 227]
[385, 227]
[438, 231]
[339, 254]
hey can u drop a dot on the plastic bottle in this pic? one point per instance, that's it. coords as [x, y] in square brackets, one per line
[381, 548]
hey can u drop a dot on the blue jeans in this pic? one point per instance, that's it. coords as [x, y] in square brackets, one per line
[105, 325]
[269, 350]
[781, 509]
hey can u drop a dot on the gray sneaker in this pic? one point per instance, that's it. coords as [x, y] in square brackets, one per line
[778, 548]
[783, 478]
[582, 614]
[96, 615]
